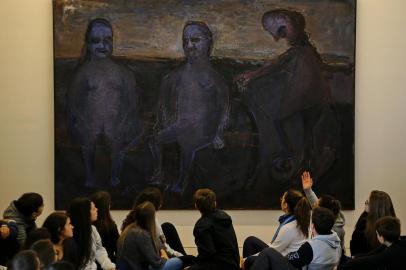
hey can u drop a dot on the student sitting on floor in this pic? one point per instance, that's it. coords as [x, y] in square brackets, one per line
[390, 255]
[292, 231]
[322, 252]
[214, 235]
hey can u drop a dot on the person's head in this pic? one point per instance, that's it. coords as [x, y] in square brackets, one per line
[388, 229]
[197, 40]
[378, 205]
[45, 252]
[145, 216]
[149, 194]
[284, 23]
[82, 212]
[293, 202]
[322, 221]
[59, 226]
[25, 260]
[205, 200]
[99, 39]
[102, 201]
[145, 219]
[36, 235]
[30, 205]
[331, 203]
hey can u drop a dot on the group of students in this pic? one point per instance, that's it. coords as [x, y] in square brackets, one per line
[310, 235]
[85, 237]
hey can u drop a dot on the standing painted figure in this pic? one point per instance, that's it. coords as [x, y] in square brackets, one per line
[193, 105]
[103, 101]
[288, 97]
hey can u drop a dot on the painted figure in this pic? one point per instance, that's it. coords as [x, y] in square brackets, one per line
[287, 97]
[193, 105]
[103, 101]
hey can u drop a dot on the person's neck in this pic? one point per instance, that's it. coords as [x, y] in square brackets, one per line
[200, 61]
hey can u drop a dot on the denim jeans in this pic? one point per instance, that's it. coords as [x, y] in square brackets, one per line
[171, 264]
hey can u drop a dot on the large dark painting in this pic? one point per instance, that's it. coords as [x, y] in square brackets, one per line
[240, 96]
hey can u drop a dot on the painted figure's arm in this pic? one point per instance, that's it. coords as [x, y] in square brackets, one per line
[223, 102]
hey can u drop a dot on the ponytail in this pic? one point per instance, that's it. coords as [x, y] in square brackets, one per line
[302, 212]
[300, 207]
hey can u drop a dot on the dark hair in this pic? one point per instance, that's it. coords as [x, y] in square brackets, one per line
[79, 213]
[45, 252]
[144, 215]
[389, 228]
[85, 54]
[380, 205]
[104, 223]
[55, 224]
[129, 219]
[205, 28]
[299, 206]
[61, 265]
[331, 203]
[36, 235]
[323, 220]
[205, 200]
[29, 203]
[150, 194]
[25, 260]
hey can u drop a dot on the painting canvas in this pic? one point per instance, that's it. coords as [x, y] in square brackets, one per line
[240, 96]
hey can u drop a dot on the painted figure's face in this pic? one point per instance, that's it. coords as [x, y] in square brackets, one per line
[100, 43]
[280, 28]
[93, 212]
[67, 231]
[196, 43]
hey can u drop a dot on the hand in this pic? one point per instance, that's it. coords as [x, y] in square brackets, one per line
[4, 231]
[164, 254]
[307, 181]
[242, 81]
[218, 143]
[242, 261]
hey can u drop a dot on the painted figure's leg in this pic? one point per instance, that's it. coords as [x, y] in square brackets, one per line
[164, 136]
[117, 158]
[186, 160]
[88, 153]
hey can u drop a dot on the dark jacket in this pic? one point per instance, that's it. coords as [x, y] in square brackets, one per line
[9, 246]
[216, 242]
[382, 258]
[358, 243]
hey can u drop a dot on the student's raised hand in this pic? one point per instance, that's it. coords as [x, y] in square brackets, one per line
[163, 254]
[307, 181]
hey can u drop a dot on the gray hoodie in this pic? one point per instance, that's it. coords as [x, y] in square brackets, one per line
[340, 221]
[326, 252]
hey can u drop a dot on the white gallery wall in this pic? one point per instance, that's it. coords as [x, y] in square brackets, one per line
[26, 113]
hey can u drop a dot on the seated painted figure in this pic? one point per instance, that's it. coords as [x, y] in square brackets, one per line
[289, 101]
[103, 101]
[193, 105]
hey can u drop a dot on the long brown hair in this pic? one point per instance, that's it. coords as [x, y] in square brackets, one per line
[380, 205]
[145, 219]
[104, 223]
[300, 207]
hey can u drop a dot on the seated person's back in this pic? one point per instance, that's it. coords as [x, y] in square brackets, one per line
[214, 235]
